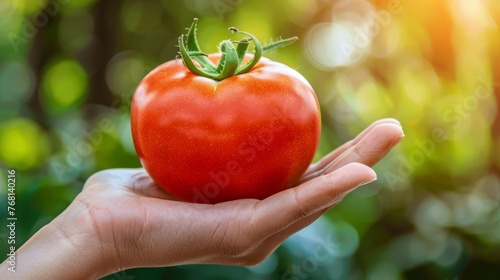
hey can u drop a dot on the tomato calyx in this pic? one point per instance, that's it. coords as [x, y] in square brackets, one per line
[231, 60]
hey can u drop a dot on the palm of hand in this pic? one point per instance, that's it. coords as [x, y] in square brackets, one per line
[137, 223]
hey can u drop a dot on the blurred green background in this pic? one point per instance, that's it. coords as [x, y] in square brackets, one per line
[68, 69]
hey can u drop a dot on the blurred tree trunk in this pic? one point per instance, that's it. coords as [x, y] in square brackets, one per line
[101, 50]
[94, 57]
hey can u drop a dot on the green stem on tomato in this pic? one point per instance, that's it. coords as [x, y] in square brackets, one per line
[231, 60]
[242, 49]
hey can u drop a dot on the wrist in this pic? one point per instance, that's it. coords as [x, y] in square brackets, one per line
[56, 252]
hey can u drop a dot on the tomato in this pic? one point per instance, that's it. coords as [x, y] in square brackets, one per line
[207, 141]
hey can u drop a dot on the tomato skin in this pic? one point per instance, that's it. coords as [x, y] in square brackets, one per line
[206, 141]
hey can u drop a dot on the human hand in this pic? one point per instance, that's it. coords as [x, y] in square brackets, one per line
[122, 219]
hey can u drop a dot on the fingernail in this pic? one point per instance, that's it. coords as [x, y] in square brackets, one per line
[398, 123]
[394, 121]
[368, 182]
[395, 142]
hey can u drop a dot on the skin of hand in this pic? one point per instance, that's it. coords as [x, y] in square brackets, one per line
[122, 219]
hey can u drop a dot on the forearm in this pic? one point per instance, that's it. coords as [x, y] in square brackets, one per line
[50, 255]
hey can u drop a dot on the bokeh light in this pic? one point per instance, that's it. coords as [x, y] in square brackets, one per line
[64, 86]
[23, 144]
[68, 70]
[17, 82]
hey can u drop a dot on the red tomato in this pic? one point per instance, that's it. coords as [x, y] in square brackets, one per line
[246, 136]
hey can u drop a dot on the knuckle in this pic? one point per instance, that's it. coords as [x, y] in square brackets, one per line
[302, 210]
[356, 150]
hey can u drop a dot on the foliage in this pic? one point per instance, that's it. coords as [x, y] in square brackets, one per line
[68, 70]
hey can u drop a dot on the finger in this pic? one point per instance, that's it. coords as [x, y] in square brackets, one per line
[333, 155]
[372, 148]
[368, 150]
[292, 205]
[274, 241]
[267, 246]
